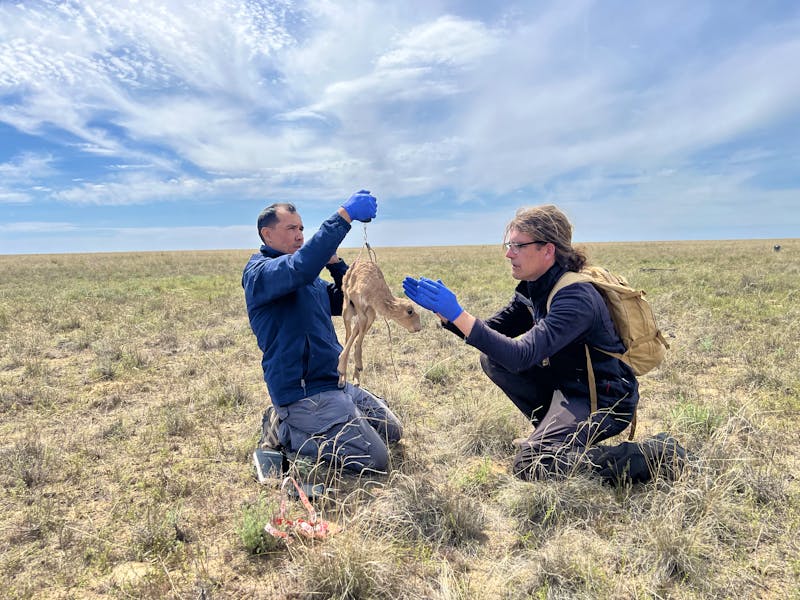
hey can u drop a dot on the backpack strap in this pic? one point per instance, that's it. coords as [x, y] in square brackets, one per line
[566, 279]
[592, 383]
[569, 278]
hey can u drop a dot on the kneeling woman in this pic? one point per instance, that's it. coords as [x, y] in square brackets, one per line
[538, 357]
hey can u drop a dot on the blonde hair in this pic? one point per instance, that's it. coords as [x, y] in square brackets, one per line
[547, 223]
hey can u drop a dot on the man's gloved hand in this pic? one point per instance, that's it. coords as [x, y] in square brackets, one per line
[361, 206]
[434, 296]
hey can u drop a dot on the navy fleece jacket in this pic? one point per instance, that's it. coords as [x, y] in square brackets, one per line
[523, 336]
[290, 311]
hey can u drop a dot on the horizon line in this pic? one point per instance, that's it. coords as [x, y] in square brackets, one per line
[397, 247]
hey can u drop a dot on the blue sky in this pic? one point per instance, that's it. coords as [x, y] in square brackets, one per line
[163, 125]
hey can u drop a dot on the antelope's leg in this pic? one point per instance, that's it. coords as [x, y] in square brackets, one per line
[348, 310]
[348, 315]
[366, 322]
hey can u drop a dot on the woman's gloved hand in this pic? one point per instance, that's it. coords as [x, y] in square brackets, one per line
[434, 296]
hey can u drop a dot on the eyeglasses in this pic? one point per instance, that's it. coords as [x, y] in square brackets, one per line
[515, 247]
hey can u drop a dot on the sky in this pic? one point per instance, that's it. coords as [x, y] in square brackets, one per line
[169, 125]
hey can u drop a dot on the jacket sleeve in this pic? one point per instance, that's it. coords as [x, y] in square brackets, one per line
[335, 293]
[270, 279]
[452, 328]
[512, 320]
[571, 316]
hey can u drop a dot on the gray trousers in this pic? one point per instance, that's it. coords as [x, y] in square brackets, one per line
[349, 428]
[560, 442]
[565, 428]
[566, 442]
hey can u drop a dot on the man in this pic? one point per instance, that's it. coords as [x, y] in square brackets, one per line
[290, 309]
[537, 357]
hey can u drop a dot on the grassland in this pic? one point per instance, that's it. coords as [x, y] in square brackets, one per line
[131, 397]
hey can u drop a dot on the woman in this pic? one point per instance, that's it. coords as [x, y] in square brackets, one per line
[538, 357]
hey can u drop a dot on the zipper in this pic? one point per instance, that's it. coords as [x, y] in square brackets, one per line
[306, 361]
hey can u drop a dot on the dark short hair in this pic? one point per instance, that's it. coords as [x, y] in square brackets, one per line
[269, 216]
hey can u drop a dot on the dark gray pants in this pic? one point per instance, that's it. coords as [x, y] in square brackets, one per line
[560, 442]
[564, 428]
[348, 427]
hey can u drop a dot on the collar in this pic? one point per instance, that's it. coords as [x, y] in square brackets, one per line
[270, 252]
[538, 290]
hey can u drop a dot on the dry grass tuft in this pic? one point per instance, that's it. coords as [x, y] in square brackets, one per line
[352, 564]
[588, 571]
[539, 507]
[28, 462]
[427, 509]
[484, 426]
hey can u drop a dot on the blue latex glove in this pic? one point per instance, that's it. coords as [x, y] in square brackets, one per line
[361, 206]
[434, 296]
[411, 289]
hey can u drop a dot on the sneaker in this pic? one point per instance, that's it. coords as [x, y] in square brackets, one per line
[269, 430]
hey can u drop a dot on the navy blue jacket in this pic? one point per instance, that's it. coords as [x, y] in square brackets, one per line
[290, 310]
[523, 336]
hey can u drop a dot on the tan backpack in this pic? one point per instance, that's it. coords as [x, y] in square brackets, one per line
[633, 319]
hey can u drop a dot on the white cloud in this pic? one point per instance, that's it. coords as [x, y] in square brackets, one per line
[13, 197]
[447, 41]
[138, 187]
[39, 227]
[17, 177]
[25, 167]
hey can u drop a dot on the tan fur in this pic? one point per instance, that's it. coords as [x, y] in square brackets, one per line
[366, 295]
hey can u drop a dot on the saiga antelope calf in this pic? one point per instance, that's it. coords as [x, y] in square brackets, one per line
[366, 295]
